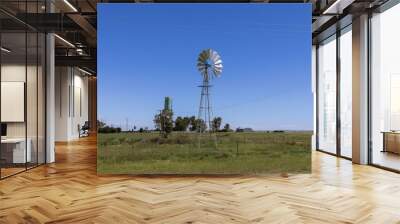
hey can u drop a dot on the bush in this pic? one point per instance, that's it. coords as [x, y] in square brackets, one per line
[178, 139]
[155, 140]
[108, 129]
[291, 143]
[182, 139]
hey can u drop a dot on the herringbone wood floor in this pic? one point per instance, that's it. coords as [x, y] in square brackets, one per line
[69, 191]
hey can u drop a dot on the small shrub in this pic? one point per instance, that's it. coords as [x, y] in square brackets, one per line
[114, 141]
[182, 139]
[221, 156]
[122, 140]
[132, 141]
[155, 140]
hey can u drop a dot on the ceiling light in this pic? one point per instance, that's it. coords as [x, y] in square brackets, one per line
[328, 10]
[70, 5]
[84, 71]
[79, 51]
[337, 7]
[5, 50]
[65, 41]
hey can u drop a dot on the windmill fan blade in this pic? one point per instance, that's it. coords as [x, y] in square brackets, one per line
[209, 59]
[213, 55]
[218, 69]
[204, 56]
[219, 62]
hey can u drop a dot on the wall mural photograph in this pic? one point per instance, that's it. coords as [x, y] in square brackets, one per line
[204, 89]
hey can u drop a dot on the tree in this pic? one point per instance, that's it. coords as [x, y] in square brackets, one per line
[104, 128]
[108, 129]
[181, 124]
[200, 125]
[101, 124]
[164, 122]
[192, 123]
[227, 128]
[186, 122]
[216, 124]
[157, 121]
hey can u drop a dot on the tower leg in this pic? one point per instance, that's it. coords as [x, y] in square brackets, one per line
[199, 116]
[205, 114]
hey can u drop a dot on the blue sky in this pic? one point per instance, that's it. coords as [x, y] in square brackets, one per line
[148, 51]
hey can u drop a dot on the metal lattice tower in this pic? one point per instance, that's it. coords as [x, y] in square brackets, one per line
[209, 64]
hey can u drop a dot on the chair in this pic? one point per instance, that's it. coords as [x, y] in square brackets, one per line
[84, 130]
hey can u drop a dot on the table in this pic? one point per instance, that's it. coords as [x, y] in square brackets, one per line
[391, 141]
[13, 150]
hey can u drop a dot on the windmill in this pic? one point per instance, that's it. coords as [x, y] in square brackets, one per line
[209, 64]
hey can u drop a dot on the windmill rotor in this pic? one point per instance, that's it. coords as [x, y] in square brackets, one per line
[208, 62]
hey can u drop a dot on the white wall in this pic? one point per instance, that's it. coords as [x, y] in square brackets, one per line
[80, 104]
[62, 82]
[9, 73]
[16, 73]
[71, 94]
[33, 126]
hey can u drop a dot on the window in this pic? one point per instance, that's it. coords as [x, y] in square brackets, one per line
[346, 92]
[385, 88]
[22, 89]
[327, 95]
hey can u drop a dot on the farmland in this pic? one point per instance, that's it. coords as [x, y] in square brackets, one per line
[235, 153]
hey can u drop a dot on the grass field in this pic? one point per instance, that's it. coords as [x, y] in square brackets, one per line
[236, 153]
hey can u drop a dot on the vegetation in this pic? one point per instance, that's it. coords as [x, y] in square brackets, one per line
[181, 149]
[108, 129]
[182, 123]
[216, 124]
[164, 122]
[227, 128]
[237, 153]
[104, 128]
